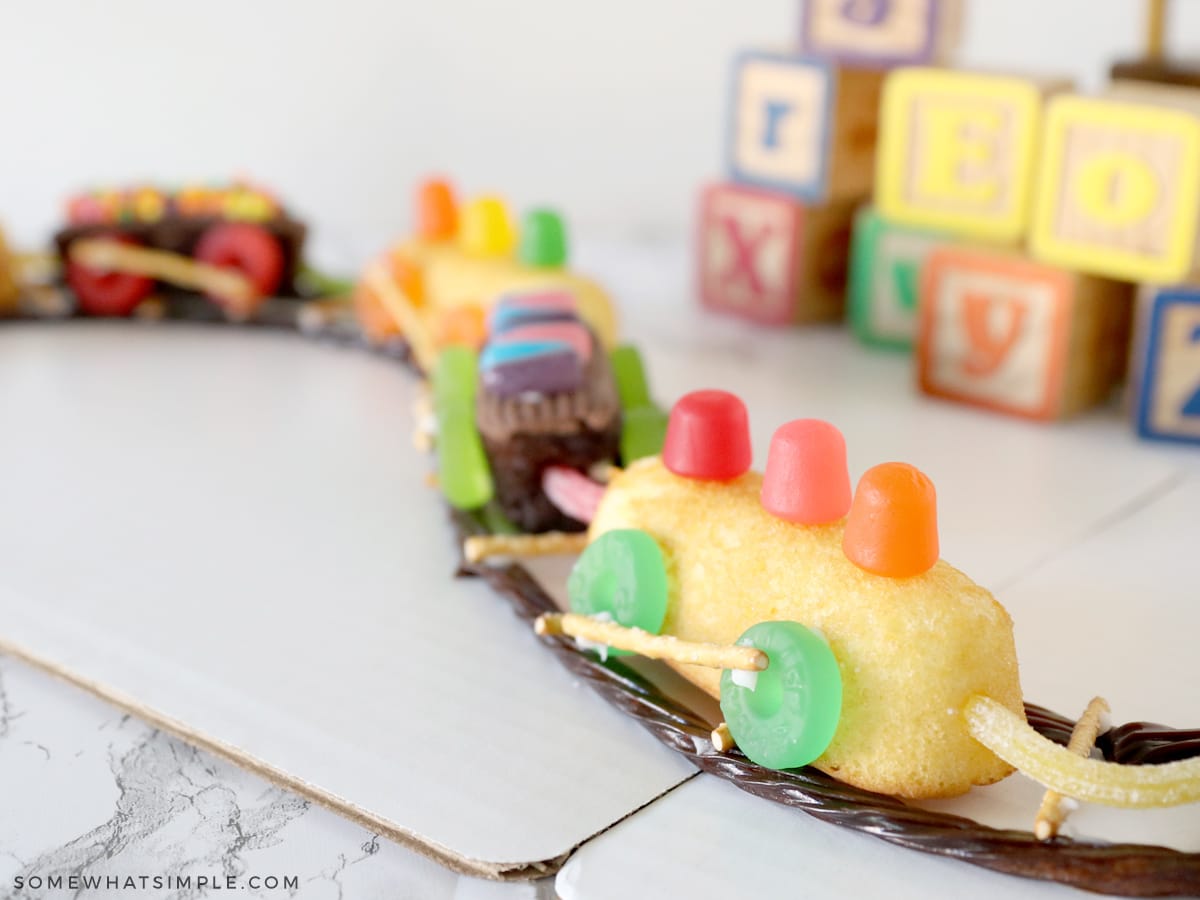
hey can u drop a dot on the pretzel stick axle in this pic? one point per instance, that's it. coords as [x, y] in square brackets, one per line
[1052, 813]
[479, 547]
[163, 266]
[722, 739]
[652, 646]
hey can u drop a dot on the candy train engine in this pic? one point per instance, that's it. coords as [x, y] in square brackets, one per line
[823, 620]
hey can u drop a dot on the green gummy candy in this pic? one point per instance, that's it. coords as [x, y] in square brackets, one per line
[630, 376]
[455, 379]
[790, 715]
[463, 471]
[621, 573]
[643, 431]
[543, 240]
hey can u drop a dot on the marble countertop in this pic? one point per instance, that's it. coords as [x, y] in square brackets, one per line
[90, 791]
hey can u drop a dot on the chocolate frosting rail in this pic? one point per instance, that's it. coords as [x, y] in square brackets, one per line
[1128, 869]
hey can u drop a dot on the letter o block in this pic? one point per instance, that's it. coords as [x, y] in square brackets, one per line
[1119, 191]
[958, 151]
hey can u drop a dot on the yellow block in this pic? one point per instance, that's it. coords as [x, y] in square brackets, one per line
[8, 281]
[958, 151]
[1119, 190]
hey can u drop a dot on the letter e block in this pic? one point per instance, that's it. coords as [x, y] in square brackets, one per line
[1167, 398]
[1004, 333]
[1119, 191]
[803, 127]
[885, 279]
[767, 258]
[957, 151]
[880, 33]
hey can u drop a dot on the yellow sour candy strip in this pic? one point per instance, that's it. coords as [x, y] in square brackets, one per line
[1012, 739]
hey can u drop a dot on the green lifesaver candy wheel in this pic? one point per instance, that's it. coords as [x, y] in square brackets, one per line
[790, 715]
[621, 573]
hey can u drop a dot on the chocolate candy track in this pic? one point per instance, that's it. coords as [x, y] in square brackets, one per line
[1128, 869]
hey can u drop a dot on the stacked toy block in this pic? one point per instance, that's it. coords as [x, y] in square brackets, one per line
[1054, 205]
[802, 138]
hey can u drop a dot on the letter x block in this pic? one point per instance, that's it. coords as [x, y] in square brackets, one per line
[767, 258]
[885, 279]
[1119, 190]
[803, 127]
[1167, 376]
[880, 33]
[1015, 336]
[958, 150]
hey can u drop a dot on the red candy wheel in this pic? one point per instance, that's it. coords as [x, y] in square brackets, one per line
[248, 249]
[104, 293]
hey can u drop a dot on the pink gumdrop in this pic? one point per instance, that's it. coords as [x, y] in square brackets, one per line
[807, 480]
[572, 493]
[708, 437]
[572, 334]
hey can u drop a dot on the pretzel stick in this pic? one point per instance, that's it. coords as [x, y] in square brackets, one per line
[722, 739]
[553, 543]
[163, 266]
[652, 646]
[1053, 813]
[1156, 29]
[401, 309]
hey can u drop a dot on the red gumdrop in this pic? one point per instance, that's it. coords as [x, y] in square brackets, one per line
[806, 480]
[708, 437]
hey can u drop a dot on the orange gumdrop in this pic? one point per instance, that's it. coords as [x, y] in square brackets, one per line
[806, 479]
[408, 277]
[437, 211]
[462, 326]
[892, 527]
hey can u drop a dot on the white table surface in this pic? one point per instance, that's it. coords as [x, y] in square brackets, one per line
[1024, 509]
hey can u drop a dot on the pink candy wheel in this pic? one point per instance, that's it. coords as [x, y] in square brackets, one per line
[249, 249]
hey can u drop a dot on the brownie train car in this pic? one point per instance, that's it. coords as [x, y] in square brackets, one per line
[235, 244]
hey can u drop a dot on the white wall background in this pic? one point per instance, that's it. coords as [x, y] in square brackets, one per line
[612, 110]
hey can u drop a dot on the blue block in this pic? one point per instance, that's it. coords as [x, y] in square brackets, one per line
[1168, 367]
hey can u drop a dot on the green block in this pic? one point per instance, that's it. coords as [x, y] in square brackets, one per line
[885, 279]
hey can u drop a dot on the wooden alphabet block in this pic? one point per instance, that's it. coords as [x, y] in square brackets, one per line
[1119, 190]
[885, 279]
[880, 33]
[770, 259]
[1015, 336]
[803, 127]
[957, 151]
[1167, 376]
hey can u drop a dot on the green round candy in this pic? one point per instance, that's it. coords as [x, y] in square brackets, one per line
[790, 716]
[463, 471]
[543, 240]
[455, 379]
[630, 376]
[621, 573]
[643, 431]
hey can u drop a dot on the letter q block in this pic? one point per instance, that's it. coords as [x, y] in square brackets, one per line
[802, 127]
[768, 258]
[881, 33]
[1010, 335]
[1167, 376]
[1119, 191]
[958, 151]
